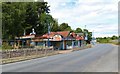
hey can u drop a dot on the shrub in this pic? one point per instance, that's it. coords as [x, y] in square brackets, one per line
[6, 46]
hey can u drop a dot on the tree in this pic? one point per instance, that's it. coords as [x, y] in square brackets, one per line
[89, 34]
[20, 16]
[65, 27]
[114, 37]
[12, 19]
[38, 17]
[78, 30]
[54, 26]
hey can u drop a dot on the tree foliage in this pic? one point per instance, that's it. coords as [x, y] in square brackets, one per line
[55, 26]
[65, 27]
[20, 16]
[108, 39]
[78, 30]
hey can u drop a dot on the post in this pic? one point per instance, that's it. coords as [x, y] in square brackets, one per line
[48, 34]
[10, 56]
[72, 44]
[45, 52]
[47, 12]
[63, 45]
[78, 43]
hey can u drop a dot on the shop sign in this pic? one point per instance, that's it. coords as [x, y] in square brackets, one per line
[29, 36]
[57, 38]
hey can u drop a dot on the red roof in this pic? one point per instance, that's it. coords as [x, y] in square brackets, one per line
[62, 33]
[77, 37]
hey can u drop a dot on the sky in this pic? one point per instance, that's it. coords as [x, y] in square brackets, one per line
[99, 16]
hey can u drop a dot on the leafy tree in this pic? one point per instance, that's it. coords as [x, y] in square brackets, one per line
[78, 30]
[65, 27]
[11, 19]
[89, 34]
[55, 26]
[18, 17]
[68, 29]
[114, 37]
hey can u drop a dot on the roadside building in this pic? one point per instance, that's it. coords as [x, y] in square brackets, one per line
[59, 40]
[25, 41]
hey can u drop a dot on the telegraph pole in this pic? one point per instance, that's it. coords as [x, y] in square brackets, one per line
[47, 12]
[86, 35]
[93, 33]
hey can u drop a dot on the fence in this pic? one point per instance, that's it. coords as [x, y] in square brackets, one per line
[22, 54]
[28, 53]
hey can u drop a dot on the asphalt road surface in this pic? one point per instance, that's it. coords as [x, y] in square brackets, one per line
[100, 58]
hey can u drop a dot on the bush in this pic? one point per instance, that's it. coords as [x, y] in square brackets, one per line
[118, 43]
[6, 46]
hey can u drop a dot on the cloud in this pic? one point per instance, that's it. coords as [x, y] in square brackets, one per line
[93, 13]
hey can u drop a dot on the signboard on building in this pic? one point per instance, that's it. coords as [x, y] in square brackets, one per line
[27, 36]
[57, 38]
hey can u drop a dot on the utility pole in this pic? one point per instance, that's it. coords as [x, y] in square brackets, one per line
[93, 33]
[47, 19]
[47, 12]
[86, 35]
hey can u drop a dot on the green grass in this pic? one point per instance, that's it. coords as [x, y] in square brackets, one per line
[116, 43]
[109, 41]
[5, 46]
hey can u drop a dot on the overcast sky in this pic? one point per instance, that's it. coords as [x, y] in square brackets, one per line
[98, 15]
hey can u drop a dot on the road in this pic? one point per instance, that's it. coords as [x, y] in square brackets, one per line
[100, 58]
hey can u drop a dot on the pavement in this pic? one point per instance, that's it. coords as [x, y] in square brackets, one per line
[100, 58]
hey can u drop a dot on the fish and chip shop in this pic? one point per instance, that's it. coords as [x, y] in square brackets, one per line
[58, 40]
